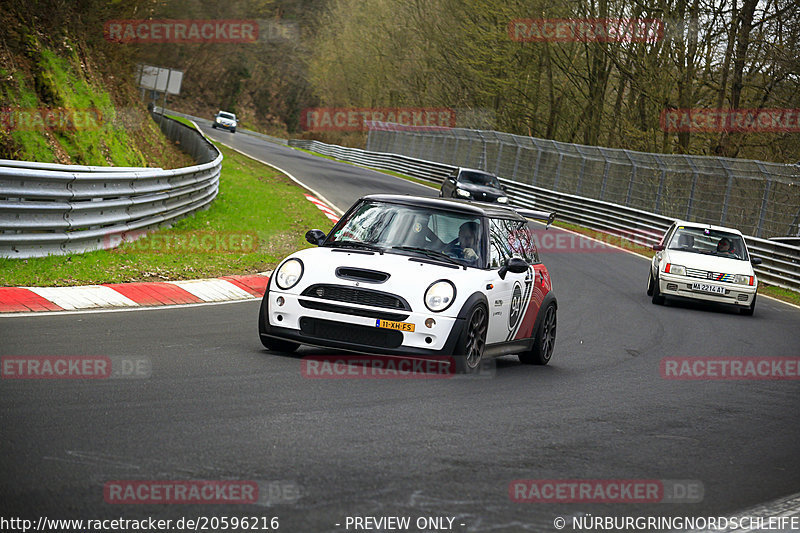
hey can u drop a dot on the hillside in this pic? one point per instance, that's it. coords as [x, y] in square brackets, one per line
[63, 99]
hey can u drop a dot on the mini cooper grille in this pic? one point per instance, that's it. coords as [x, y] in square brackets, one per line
[712, 276]
[333, 308]
[351, 333]
[355, 295]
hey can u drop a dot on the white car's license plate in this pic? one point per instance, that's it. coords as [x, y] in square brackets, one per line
[390, 324]
[704, 287]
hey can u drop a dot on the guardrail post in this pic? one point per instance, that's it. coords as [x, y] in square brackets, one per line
[660, 192]
[690, 202]
[632, 178]
[482, 162]
[795, 223]
[516, 157]
[605, 175]
[558, 169]
[727, 192]
[764, 201]
[499, 157]
[536, 168]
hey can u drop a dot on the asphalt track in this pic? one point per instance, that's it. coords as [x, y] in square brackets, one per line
[216, 406]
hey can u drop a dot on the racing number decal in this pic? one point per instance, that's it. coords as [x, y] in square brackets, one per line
[516, 306]
[519, 304]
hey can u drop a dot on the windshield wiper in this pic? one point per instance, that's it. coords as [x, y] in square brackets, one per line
[358, 244]
[430, 253]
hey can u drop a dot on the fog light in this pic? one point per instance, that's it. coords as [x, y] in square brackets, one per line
[280, 300]
[672, 287]
[279, 318]
[429, 322]
[428, 340]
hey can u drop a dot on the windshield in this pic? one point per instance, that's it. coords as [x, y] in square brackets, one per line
[227, 115]
[413, 230]
[478, 178]
[709, 242]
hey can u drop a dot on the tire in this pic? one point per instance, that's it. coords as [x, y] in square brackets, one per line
[213, 126]
[748, 311]
[545, 340]
[233, 130]
[658, 298]
[273, 345]
[470, 347]
[650, 284]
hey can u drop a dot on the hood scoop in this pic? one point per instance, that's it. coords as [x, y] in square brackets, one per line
[361, 274]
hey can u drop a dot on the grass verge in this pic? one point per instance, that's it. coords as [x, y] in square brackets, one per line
[259, 217]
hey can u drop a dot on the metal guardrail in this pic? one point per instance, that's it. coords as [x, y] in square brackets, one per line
[48, 209]
[781, 266]
[758, 197]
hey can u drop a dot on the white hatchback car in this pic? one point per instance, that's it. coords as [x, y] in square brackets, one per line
[704, 262]
[403, 275]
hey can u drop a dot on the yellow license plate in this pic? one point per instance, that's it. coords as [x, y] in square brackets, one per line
[399, 326]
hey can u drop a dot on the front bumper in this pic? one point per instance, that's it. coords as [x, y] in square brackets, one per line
[735, 294]
[352, 332]
[225, 126]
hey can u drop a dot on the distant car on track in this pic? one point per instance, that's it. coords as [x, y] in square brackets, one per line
[476, 185]
[225, 120]
[704, 262]
[416, 276]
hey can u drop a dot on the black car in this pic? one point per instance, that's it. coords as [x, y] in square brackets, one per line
[477, 185]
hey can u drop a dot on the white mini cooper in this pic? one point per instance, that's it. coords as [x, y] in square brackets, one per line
[416, 276]
[704, 262]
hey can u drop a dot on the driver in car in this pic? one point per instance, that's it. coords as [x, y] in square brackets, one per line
[724, 247]
[467, 244]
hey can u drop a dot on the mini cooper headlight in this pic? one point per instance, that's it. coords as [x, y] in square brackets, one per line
[440, 295]
[678, 270]
[288, 274]
[462, 193]
[743, 280]
[502, 200]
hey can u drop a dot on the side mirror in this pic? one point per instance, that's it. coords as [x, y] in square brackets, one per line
[756, 260]
[658, 247]
[315, 237]
[515, 265]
